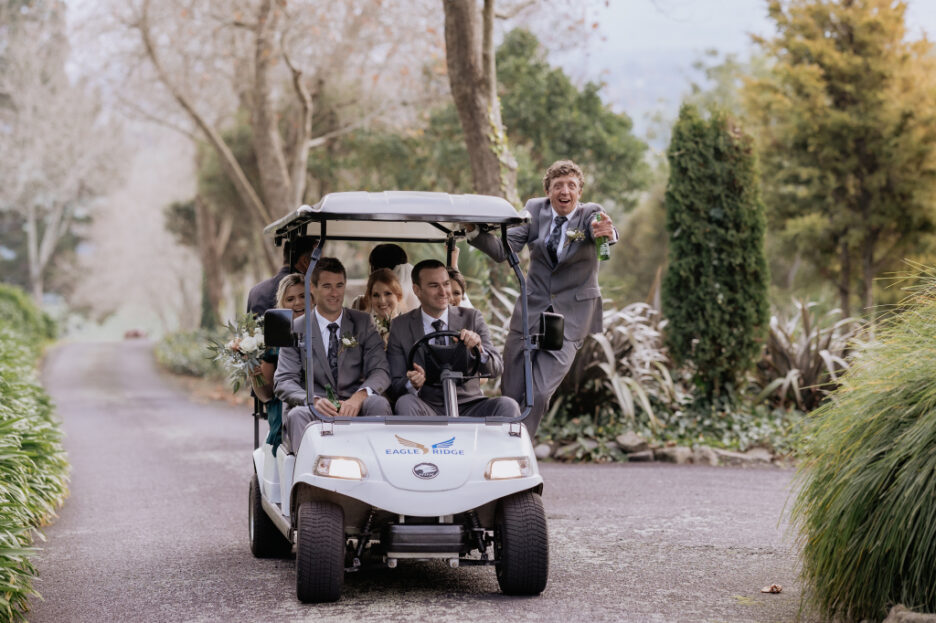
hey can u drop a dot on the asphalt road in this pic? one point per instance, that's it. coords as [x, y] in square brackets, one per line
[155, 528]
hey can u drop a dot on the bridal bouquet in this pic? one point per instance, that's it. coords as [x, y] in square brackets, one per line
[240, 354]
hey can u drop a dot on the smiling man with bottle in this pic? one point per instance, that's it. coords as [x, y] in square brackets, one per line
[564, 237]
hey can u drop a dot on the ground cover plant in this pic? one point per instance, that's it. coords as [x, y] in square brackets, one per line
[33, 466]
[866, 512]
[186, 353]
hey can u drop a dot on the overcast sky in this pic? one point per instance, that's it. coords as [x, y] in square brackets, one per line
[647, 47]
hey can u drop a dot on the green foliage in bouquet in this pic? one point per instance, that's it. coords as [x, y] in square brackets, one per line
[240, 349]
[866, 512]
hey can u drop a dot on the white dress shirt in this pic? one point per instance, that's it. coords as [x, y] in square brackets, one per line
[326, 339]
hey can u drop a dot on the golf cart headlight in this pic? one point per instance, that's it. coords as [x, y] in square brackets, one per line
[502, 469]
[340, 467]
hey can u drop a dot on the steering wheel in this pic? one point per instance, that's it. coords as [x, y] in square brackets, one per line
[456, 357]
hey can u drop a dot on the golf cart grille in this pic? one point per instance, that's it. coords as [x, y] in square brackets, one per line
[424, 539]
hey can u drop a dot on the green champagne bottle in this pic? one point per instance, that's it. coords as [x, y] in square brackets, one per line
[332, 397]
[602, 245]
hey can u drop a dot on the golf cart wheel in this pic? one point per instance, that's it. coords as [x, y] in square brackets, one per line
[320, 552]
[521, 544]
[266, 541]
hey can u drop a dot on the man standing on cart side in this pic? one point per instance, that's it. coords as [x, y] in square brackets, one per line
[562, 278]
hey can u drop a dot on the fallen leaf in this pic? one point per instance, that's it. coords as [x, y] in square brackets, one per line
[773, 588]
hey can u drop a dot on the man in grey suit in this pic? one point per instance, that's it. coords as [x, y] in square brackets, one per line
[348, 356]
[415, 397]
[563, 278]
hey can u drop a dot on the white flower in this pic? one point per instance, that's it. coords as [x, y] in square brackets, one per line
[248, 345]
[348, 341]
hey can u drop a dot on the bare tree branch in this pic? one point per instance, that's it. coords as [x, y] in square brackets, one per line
[145, 114]
[299, 152]
[228, 161]
[516, 10]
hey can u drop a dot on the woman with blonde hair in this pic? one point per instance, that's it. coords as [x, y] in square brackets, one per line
[382, 299]
[289, 295]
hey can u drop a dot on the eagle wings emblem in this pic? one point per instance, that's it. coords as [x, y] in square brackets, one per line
[413, 444]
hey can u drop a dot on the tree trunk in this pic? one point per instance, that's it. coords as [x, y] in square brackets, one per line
[469, 51]
[844, 284]
[268, 145]
[867, 271]
[210, 256]
[32, 253]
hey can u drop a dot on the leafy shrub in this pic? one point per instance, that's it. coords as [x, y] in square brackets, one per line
[623, 371]
[186, 353]
[22, 316]
[866, 511]
[804, 356]
[33, 466]
[715, 289]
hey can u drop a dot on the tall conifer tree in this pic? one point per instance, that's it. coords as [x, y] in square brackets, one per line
[715, 290]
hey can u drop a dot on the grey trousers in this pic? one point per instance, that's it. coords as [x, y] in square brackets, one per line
[299, 418]
[411, 404]
[549, 368]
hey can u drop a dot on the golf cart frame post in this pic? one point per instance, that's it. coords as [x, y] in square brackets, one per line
[403, 217]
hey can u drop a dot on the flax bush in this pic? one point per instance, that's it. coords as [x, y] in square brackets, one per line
[33, 466]
[866, 512]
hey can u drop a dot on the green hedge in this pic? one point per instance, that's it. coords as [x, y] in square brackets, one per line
[186, 353]
[33, 466]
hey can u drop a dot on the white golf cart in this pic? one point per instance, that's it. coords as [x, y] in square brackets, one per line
[375, 490]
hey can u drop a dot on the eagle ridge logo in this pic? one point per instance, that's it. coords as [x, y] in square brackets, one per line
[414, 447]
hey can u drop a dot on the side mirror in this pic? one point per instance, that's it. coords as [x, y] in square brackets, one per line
[551, 331]
[277, 327]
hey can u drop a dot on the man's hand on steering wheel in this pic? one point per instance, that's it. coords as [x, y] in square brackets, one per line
[467, 340]
[471, 340]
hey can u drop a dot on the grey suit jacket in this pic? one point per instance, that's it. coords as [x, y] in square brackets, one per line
[263, 295]
[407, 328]
[364, 365]
[571, 286]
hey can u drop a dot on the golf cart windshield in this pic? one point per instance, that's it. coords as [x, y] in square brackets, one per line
[395, 216]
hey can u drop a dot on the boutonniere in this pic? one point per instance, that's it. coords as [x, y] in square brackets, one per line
[574, 235]
[348, 341]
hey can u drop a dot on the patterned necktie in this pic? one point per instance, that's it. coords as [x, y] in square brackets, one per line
[552, 245]
[333, 351]
[438, 325]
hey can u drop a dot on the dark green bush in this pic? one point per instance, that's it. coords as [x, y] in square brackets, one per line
[33, 466]
[715, 288]
[867, 509]
[186, 353]
[22, 316]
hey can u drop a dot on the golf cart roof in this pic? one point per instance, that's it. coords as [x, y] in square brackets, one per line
[394, 216]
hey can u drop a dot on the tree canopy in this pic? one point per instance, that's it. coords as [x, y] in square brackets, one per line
[846, 121]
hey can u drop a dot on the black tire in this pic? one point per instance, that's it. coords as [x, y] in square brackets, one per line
[521, 544]
[320, 552]
[266, 541]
